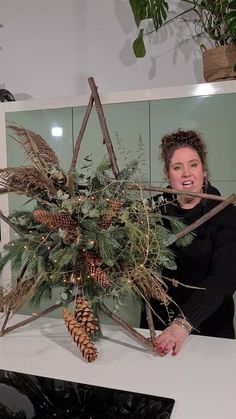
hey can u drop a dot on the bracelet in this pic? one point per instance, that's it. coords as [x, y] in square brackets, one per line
[181, 321]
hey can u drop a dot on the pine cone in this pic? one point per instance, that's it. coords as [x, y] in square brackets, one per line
[84, 316]
[95, 271]
[54, 221]
[112, 212]
[115, 207]
[80, 337]
[104, 223]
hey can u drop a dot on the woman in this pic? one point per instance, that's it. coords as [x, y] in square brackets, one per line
[208, 262]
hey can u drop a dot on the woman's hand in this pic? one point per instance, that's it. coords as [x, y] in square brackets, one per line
[171, 339]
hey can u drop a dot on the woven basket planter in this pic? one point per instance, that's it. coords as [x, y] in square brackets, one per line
[219, 62]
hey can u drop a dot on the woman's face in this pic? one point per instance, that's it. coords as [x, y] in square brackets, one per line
[185, 170]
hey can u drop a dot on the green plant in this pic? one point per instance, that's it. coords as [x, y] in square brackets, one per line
[215, 19]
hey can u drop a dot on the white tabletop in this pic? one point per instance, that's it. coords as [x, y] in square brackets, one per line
[201, 379]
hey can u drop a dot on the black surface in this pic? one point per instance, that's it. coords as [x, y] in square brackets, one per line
[27, 396]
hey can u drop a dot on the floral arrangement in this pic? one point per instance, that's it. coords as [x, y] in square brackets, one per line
[94, 235]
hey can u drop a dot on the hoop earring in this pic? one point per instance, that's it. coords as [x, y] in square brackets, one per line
[204, 184]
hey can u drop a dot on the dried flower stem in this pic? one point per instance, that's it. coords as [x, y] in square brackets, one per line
[102, 120]
[28, 320]
[136, 335]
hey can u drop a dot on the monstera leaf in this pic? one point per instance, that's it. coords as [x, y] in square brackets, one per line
[231, 18]
[155, 10]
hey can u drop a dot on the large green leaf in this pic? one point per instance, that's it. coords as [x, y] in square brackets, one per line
[138, 45]
[230, 18]
[140, 10]
[156, 10]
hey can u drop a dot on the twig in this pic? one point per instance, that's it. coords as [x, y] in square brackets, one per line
[29, 319]
[179, 192]
[136, 335]
[6, 219]
[150, 322]
[105, 132]
[206, 216]
[81, 133]
[5, 323]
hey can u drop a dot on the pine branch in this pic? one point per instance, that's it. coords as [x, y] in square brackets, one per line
[105, 132]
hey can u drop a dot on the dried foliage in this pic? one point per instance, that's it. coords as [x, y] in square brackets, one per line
[26, 180]
[36, 148]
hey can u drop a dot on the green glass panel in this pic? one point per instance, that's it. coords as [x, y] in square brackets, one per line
[128, 126]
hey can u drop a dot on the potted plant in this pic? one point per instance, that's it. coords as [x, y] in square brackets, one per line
[215, 19]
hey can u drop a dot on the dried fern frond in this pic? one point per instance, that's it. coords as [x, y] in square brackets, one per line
[80, 337]
[36, 148]
[17, 296]
[26, 180]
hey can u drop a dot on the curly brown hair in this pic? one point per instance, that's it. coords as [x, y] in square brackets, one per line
[180, 138]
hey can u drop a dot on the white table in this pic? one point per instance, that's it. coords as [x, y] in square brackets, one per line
[201, 379]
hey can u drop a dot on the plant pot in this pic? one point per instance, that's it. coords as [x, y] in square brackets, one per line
[219, 62]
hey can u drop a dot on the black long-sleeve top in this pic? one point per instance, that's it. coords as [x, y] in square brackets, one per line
[208, 262]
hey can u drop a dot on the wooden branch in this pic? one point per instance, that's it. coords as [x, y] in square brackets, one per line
[4, 324]
[105, 132]
[150, 322]
[7, 221]
[29, 319]
[136, 335]
[207, 216]
[178, 192]
[81, 134]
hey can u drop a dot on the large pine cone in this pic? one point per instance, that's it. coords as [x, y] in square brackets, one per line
[80, 337]
[84, 316]
[54, 220]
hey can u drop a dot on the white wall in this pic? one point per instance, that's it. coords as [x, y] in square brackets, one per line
[50, 47]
